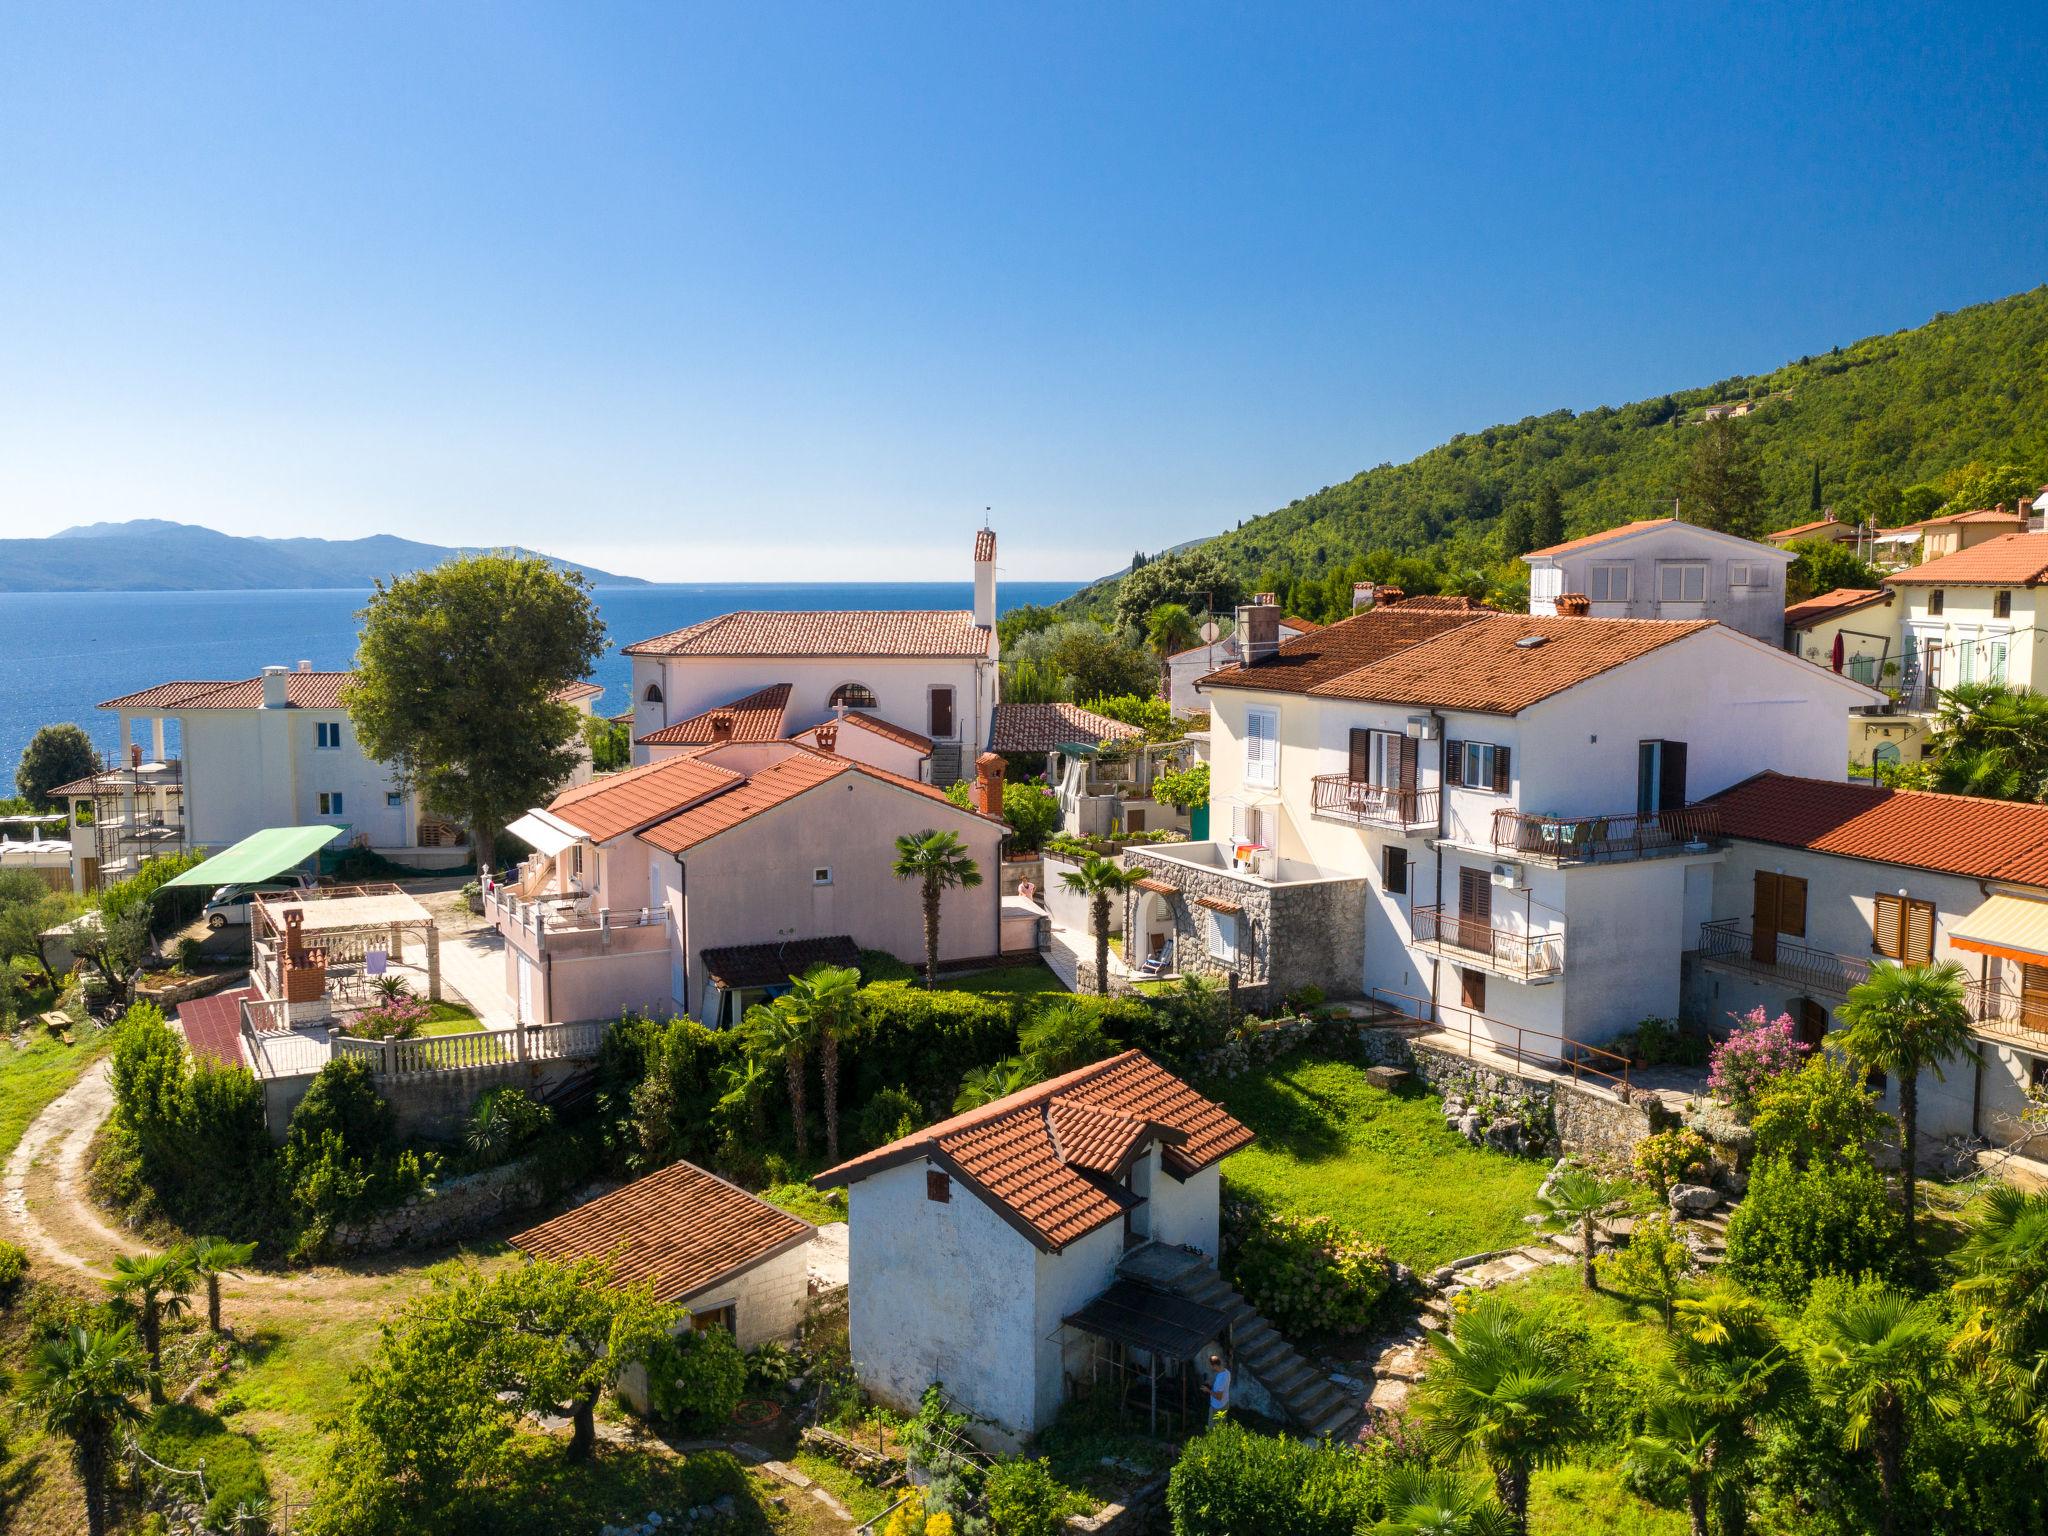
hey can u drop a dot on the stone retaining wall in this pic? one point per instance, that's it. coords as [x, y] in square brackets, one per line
[454, 1209]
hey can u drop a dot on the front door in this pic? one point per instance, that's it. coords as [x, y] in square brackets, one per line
[1813, 1023]
[1475, 911]
[1763, 920]
[942, 714]
[526, 991]
[2034, 996]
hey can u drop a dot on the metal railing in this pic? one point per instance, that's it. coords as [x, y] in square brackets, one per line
[1605, 839]
[1338, 797]
[1511, 952]
[1535, 1046]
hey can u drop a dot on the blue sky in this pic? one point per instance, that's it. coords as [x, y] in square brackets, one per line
[780, 291]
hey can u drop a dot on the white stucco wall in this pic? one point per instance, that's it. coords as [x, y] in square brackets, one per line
[247, 769]
[862, 745]
[1757, 610]
[1065, 1282]
[1189, 1213]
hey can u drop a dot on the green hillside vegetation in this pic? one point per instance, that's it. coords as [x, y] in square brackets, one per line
[1944, 417]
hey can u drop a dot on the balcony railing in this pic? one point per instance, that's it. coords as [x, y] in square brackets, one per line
[562, 915]
[1338, 797]
[1505, 951]
[1606, 839]
[1537, 1047]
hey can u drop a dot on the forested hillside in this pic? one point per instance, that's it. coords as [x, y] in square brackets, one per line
[1895, 427]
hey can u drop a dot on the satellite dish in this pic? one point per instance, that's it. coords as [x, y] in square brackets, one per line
[1210, 630]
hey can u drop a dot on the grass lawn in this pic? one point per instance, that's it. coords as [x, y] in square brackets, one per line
[1382, 1164]
[1011, 983]
[863, 1502]
[817, 1206]
[31, 1078]
[450, 1019]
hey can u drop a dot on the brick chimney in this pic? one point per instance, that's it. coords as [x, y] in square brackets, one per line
[1573, 605]
[989, 769]
[134, 754]
[1386, 597]
[721, 726]
[827, 737]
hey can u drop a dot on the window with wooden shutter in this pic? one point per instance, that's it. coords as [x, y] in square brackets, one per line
[1472, 989]
[1408, 761]
[1501, 777]
[1888, 925]
[1780, 905]
[1262, 748]
[1454, 762]
[1360, 767]
[1919, 932]
[1394, 872]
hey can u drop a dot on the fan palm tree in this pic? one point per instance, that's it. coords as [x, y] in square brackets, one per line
[1424, 1501]
[781, 1036]
[1099, 879]
[1904, 1020]
[1682, 1439]
[1492, 1393]
[1731, 1373]
[157, 1285]
[1170, 629]
[998, 1080]
[1991, 740]
[744, 1082]
[1576, 1199]
[211, 1258]
[1881, 1362]
[2004, 1286]
[81, 1386]
[826, 996]
[939, 862]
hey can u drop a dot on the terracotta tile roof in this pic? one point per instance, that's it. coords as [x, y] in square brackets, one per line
[81, 787]
[620, 802]
[757, 717]
[1586, 541]
[903, 736]
[165, 695]
[1218, 904]
[1009, 1152]
[213, 1025]
[1042, 727]
[1443, 603]
[1830, 605]
[1482, 666]
[886, 632]
[766, 965]
[1349, 644]
[576, 691]
[1299, 626]
[303, 690]
[1953, 834]
[762, 790]
[682, 1229]
[2011, 560]
[985, 544]
[1818, 526]
[1979, 515]
[1159, 887]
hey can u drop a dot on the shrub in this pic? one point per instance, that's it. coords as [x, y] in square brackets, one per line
[1182, 1023]
[1305, 1272]
[696, 1378]
[879, 965]
[400, 1018]
[1184, 790]
[1230, 1481]
[659, 1083]
[1066, 1036]
[503, 1120]
[191, 954]
[1659, 1042]
[926, 1041]
[1024, 1499]
[1740, 1067]
[143, 892]
[13, 1273]
[772, 1363]
[1818, 1113]
[1795, 1225]
[891, 1113]
[1677, 1156]
[1652, 1266]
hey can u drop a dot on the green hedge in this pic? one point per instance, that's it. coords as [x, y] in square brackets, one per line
[1229, 1482]
[1795, 1225]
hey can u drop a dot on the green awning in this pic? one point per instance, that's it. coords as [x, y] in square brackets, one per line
[259, 856]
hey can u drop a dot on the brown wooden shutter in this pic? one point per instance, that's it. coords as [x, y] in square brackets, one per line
[1472, 989]
[1888, 926]
[1792, 906]
[1763, 915]
[1500, 770]
[1408, 760]
[1360, 770]
[1454, 762]
[1919, 948]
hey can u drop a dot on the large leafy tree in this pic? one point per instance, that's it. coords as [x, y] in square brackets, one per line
[1100, 879]
[1822, 565]
[827, 998]
[1905, 1020]
[1196, 579]
[1880, 1364]
[81, 1387]
[55, 755]
[938, 862]
[1991, 740]
[1720, 486]
[456, 683]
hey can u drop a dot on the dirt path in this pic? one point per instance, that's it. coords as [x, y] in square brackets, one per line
[43, 1192]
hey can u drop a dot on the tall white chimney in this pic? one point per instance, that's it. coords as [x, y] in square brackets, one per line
[985, 578]
[276, 690]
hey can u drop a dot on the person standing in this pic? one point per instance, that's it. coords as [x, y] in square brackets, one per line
[1219, 1387]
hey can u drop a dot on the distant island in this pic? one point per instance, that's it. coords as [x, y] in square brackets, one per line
[153, 555]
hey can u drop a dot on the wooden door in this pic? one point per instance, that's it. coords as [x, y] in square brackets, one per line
[942, 714]
[1475, 911]
[2034, 997]
[1813, 1022]
[1763, 920]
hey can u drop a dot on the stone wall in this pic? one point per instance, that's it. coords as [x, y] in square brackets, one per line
[434, 1106]
[454, 1209]
[1191, 955]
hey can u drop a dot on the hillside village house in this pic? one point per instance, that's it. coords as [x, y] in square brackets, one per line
[1187, 668]
[1974, 617]
[1478, 816]
[931, 673]
[700, 883]
[1855, 631]
[1825, 528]
[1822, 878]
[1935, 538]
[1666, 569]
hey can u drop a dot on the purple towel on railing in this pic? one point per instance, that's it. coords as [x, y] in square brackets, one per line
[375, 962]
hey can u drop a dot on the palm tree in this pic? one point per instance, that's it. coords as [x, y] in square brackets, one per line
[743, 1082]
[1679, 1437]
[157, 1284]
[1991, 740]
[1098, 879]
[998, 1080]
[1491, 1392]
[940, 862]
[781, 1035]
[1729, 1373]
[1170, 629]
[1434, 1502]
[826, 996]
[1904, 1020]
[2004, 1286]
[213, 1257]
[82, 1385]
[1576, 1199]
[1881, 1362]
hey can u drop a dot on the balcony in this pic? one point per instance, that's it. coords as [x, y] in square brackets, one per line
[1339, 797]
[572, 921]
[1477, 942]
[1606, 839]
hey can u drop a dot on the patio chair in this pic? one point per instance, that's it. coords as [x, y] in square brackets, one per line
[1158, 963]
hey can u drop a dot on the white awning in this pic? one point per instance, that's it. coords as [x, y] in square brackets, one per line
[545, 833]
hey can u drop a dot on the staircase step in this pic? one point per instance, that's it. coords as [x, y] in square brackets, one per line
[1334, 1426]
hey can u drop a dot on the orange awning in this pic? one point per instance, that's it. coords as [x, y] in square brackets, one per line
[2010, 927]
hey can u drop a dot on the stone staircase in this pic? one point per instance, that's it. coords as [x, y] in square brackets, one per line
[946, 756]
[1708, 1235]
[1311, 1401]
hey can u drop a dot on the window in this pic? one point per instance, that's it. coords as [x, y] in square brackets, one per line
[1252, 824]
[1477, 765]
[852, 696]
[327, 735]
[1394, 871]
[652, 695]
[1660, 777]
[1609, 584]
[1748, 573]
[1994, 659]
[725, 1318]
[393, 800]
[1545, 582]
[938, 1186]
[1902, 929]
[1262, 748]
[1472, 989]
[2001, 605]
[821, 877]
[1934, 602]
[1223, 936]
[1682, 581]
[330, 802]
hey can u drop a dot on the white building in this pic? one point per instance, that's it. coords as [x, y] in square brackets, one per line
[1666, 569]
[1187, 668]
[928, 671]
[1476, 816]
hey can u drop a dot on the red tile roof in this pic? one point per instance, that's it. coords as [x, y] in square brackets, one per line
[2011, 560]
[1979, 515]
[165, 695]
[886, 632]
[757, 717]
[1346, 646]
[1299, 626]
[1042, 727]
[576, 691]
[1832, 605]
[768, 787]
[1818, 526]
[903, 736]
[1585, 541]
[1952, 834]
[303, 690]
[1037, 1155]
[681, 1229]
[621, 802]
[985, 544]
[213, 1025]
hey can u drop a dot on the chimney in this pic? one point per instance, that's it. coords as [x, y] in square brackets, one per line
[1573, 605]
[1361, 596]
[721, 726]
[1258, 629]
[1386, 597]
[827, 737]
[985, 578]
[134, 754]
[988, 783]
[276, 691]
[305, 666]
[2001, 508]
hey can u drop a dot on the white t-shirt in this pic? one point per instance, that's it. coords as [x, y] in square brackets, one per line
[1219, 1390]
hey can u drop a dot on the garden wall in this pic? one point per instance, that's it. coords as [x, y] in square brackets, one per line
[433, 1106]
[455, 1209]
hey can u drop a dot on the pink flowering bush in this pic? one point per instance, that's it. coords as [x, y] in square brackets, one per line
[399, 1019]
[1741, 1066]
